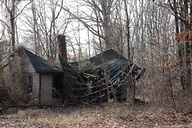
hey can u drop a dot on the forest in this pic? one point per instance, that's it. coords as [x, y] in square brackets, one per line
[154, 34]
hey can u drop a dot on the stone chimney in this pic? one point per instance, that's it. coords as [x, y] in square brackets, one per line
[62, 47]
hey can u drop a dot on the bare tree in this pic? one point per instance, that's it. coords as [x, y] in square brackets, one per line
[128, 31]
[181, 9]
[46, 23]
[12, 12]
[108, 22]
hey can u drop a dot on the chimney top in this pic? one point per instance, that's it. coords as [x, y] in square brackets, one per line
[62, 47]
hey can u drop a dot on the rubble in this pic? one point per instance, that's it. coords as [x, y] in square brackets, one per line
[87, 83]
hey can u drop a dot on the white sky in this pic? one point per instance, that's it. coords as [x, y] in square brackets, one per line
[71, 30]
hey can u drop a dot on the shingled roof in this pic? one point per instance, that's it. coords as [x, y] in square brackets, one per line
[40, 65]
[115, 65]
[114, 62]
[107, 55]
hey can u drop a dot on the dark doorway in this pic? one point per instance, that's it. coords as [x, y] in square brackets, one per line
[57, 86]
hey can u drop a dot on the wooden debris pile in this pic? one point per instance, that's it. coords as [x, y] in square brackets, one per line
[89, 84]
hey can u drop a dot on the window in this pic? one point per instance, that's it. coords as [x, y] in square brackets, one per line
[30, 82]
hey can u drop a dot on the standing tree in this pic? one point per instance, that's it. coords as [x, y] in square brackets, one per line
[108, 17]
[182, 12]
[43, 26]
[12, 13]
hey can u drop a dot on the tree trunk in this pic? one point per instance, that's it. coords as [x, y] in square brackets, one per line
[35, 28]
[188, 53]
[106, 19]
[105, 73]
[12, 21]
[128, 33]
[180, 47]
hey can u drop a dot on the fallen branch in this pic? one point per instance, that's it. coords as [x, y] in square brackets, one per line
[2, 66]
[5, 66]
[19, 106]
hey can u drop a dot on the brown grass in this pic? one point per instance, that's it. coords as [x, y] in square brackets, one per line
[105, 115]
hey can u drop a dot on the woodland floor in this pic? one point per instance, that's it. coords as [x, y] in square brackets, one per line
[100, 116]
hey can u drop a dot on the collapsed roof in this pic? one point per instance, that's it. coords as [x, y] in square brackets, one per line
[91, 80]
[40, 65]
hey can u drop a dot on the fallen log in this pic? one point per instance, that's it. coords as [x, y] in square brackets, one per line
[18, 106]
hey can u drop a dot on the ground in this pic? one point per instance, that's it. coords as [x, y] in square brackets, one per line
[109, 115]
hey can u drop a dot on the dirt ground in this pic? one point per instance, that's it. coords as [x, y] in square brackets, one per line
[101, 116]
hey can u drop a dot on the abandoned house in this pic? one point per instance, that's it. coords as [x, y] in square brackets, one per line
[83, 80]
[41, 77]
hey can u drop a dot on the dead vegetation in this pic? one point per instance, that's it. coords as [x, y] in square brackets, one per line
[105, 115]
[11, 96]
